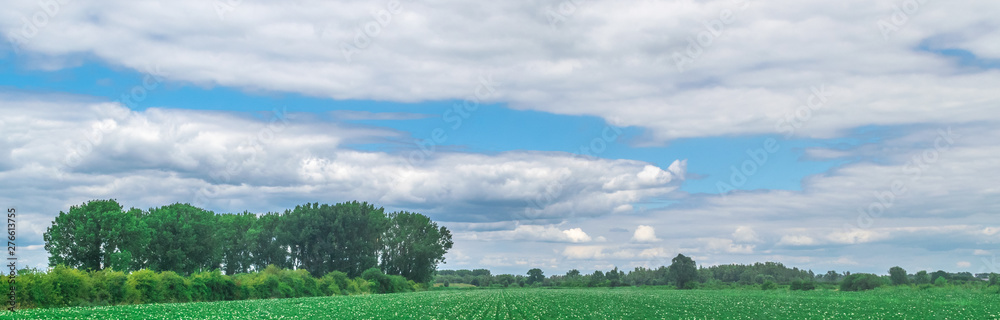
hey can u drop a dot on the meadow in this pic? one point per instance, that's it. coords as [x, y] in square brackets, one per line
[589, 303]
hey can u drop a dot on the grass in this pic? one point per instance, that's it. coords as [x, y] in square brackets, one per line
[596, 303]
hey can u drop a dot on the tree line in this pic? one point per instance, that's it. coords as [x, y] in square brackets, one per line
[349, 237]
[683, 273]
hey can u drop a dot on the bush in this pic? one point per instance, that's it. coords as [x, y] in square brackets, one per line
[109, 287]
[941, 282]
[380, 281]
[860, 282]
[144, 287]
[175, 288]
[334, 283]
[803, 285]
[768, 285]
[71, 285]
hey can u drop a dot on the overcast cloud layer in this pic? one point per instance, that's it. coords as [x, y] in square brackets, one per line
[924, 71]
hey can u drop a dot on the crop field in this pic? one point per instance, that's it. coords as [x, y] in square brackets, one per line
[597, 303]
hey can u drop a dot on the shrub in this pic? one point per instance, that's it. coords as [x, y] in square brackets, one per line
[941, 282]
[768, 285]
[860, 282]
[334, 283]
[175, 289]
[71, 285]
[381, 282]
[144, 287]
[109, 287]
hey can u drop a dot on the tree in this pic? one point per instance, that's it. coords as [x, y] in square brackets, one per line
[96, 235]
[683, 270]
[322, 238]
[184, 239]
[938, 274]
[831, 276]
[860, 282]
[995, 279]
[235, 240]
[898, 276]
[922, 277]
[535, 276]
[413, 246]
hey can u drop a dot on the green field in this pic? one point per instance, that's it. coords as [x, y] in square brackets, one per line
[596, 303]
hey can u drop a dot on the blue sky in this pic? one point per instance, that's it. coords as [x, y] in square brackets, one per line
[538, 144]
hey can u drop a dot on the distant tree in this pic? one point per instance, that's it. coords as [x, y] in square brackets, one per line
[184, 239]
[573, 273]
[941, 281]
[938, 274]
[995, 279]
[860, 282]
[96, 235]
[769, 285]
[922, 277]
[683, 270]
[596, 279]
[535, 276]
[898, 276]
[413, 246]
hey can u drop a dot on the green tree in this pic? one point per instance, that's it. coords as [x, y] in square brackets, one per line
[922, 277]
[183, 240]
[995, 279]
[898, 276]
[860, 282]
[96, 235]
[413, 246]
[535, 275]
[235, 241]
[323, 238]
[683, 270]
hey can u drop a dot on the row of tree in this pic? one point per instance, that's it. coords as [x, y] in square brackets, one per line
[683, 273]
[348, 237]
[65, 287]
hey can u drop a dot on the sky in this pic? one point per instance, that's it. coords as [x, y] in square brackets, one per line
[851, 135]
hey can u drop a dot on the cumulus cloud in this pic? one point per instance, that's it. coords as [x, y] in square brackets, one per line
[759, 72]
[77, 149]
[530, 233]
[745, 234]
[645, 234]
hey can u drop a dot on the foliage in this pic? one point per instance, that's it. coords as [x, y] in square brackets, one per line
[898, 276]
[683, 270]
[96, 235]
[768, 285]
[860, 282]
[413, 246]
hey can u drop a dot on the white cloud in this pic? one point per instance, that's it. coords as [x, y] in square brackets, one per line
[745, 234]
[644, 234]
[792, 240]
[758, 72]
[980, 252]
[726, 246]
[584, 252]
[963, 264]
[529, 233]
